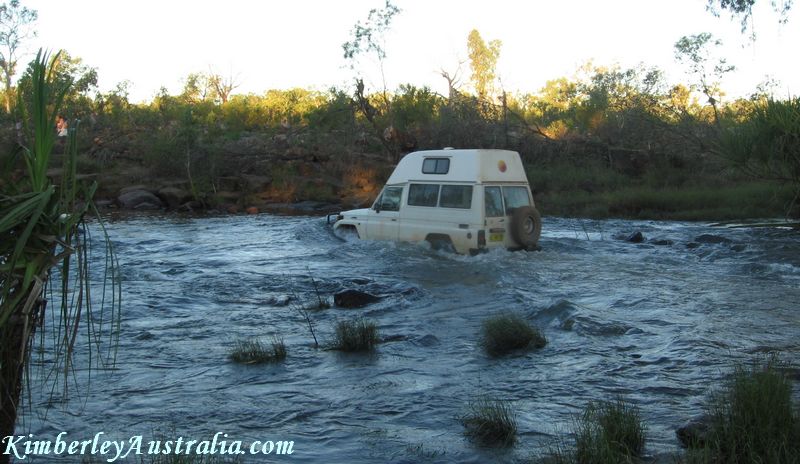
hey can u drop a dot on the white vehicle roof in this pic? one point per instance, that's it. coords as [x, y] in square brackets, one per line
[465, 166]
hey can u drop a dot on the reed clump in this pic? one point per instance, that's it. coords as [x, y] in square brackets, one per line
[610, 432]
[752, 419]
[356, 335]
[490, 422]
[508, 332]
[254, 351]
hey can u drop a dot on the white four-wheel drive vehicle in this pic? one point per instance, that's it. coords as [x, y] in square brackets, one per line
[465, 200]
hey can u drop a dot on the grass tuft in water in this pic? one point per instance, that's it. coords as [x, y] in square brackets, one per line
[253, 351]
[610, 432]
[606, 432]
[490, 423]
[355, 335]
[753, 418]
[505, 333]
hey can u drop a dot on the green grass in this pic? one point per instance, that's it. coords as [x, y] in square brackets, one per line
[255, 352]
[700, 190]
[606, 432]
[752, 419]
[508, 332]
[490, 423]
[355, 336]
[610, 432]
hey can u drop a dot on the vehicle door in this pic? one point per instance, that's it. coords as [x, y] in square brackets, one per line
[496, 220]
[384, 218]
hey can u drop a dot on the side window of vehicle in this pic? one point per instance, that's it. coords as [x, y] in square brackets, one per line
[515, 197]
[456, 196]
[493, 202]
[423, 195]
[436, 166]
[390, 199]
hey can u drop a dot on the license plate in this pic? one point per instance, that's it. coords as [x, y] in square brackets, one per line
[495, 237]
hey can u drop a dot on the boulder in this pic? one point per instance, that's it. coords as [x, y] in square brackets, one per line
[636, 237]
[694, 433]
[139, 199]
[662, 242]
[353, 299]
[173, 196]
[713, 239]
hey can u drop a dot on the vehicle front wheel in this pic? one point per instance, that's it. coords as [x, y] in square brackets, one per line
[526, 226]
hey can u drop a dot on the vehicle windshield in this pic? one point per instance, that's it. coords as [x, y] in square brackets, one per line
[389, 199]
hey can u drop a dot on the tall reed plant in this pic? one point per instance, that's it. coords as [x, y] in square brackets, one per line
[43, 227]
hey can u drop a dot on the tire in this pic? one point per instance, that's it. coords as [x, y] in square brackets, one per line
[526, 227]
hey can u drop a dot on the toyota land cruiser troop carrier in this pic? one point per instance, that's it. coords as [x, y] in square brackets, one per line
[464, 200]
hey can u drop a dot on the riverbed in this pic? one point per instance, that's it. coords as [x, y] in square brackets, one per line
[660, 323]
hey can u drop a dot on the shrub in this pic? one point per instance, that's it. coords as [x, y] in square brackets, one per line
[490, 423]
[355, 335]
[609, 432]
[256, 352]
[753, 419]
[508, 332]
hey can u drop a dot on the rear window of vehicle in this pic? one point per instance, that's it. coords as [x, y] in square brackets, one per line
[493, 202]
[436, 166]
[456, 196]
[515, 197]
[423, 195]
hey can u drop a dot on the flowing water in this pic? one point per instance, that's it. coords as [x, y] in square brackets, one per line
[660, 324]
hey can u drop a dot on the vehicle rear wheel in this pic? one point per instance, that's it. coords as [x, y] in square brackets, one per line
[526, 226]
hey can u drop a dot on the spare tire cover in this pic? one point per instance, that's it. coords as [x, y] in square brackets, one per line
[526, 226]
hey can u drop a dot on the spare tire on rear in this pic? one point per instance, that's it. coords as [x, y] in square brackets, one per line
[526, 226]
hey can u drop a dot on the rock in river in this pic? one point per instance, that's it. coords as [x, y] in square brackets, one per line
[139, 199]
[353, 299]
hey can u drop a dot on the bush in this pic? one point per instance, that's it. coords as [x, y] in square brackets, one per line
[490, 423]
[355, 335]
[508, 332]
[255, 352]
[753, 419]
[609, 432]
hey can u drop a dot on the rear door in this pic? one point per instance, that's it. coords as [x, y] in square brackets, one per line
[496, 220]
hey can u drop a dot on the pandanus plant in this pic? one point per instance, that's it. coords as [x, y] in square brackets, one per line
[43, 230]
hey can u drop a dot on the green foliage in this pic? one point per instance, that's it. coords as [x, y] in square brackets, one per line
[610, 432]
[767, 143]
[753, 418]
[483, 61]
[253, 351]
[490, 423]
[15, 28]
[743, 9]
[508, 332]
[368, 37]
[355, 335]
[42, 226]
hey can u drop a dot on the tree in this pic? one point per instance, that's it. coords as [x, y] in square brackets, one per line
[369, 38]
[743, 9]
[483, 61]
[695, 52]
[15, 28]
[222, 86]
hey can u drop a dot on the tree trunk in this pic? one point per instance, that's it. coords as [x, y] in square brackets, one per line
[16, 335]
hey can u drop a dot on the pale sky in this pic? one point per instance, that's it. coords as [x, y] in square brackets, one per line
[297, 43]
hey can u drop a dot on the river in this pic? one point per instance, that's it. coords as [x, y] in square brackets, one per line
[659, 324]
